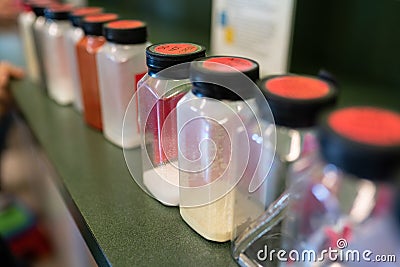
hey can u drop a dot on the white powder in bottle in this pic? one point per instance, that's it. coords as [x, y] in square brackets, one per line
[215, 221]
[163, 183]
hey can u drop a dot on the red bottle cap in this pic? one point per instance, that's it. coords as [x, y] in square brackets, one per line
[367, 125]
[77, 14]
[162, 56]
[126, 32]
[93, 24]
[295, 100]
[176, 49]
[364, 141]
[229, 63]
[297, 87]
[224, 77]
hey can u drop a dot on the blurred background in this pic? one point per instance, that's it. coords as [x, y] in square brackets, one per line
[356, 40]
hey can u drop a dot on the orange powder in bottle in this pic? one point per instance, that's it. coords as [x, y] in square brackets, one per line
[86, 50]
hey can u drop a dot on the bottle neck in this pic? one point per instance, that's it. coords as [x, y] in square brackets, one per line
[169, 73]
[292, 143]
[125, 46]
[58, 20]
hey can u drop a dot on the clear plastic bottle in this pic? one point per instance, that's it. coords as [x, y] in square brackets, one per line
[158, 94]
[38, 37]
[350, 186]
[73, 36]
[295, 102]
[212, 126]
[380, 235]
[121, 63]
[25, 21]
[56, 63]
[86, 50]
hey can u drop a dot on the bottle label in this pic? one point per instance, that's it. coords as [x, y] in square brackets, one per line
[177, 48]
[297, 87]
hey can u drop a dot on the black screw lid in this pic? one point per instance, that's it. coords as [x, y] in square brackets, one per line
[39, 7]
[223, 77]
[93, 24]
[162, 56]
[77, 15]
[362, 141]
[126, 32]
[57, 13]
[295, 100]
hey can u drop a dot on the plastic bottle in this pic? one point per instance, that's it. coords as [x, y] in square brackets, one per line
[349, 185]
[121, 63]
[87, 49]
[25, 21]
[158, 94]
[212, 121]
[73, 36]
[295, 102]
[56, 63]
[38, 37]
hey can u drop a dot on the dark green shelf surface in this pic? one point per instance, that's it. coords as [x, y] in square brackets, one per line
[119, 222]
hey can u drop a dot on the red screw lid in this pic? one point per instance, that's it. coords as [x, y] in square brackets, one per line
[297, 87]
[93, 24]
[364, 141]
[227, 64]
[175, 49]
[77, 14]
[224, 77]
[297, 100]
[368, 125]
[162, 56]
[126, 32]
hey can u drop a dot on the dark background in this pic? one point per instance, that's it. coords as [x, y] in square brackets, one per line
[358, 40]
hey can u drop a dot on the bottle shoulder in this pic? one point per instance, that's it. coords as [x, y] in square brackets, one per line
[75, 34]
[39, 23]
[27, 17]
[122, 53]
[164, 87]
[57, 28]
[91, 44]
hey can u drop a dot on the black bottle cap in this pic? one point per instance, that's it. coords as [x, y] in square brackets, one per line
[296, 100]
[39, 7]
[78, 14]
[93, 24]
[362, 141]
[162, 56]
[126, 32]
[223, 77]
[57, 13]
[328, 77]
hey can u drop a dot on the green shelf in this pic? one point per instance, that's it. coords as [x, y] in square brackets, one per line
[121, 224]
